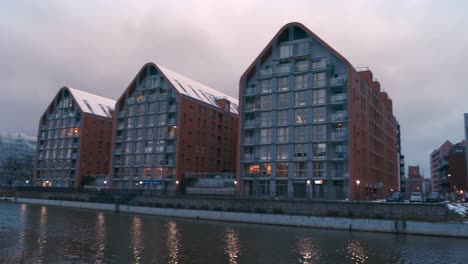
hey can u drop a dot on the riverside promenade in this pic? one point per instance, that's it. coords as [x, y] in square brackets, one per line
[421, 219]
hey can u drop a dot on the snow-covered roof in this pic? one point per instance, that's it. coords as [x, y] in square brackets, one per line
[93, 104]
[197, 90]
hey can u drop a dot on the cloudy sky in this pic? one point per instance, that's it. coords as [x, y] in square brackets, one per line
[416, 49]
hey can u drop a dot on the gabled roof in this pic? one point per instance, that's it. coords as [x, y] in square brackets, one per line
[196, 90]
[308, 31]
[92, 104]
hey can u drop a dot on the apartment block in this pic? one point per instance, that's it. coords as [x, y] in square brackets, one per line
[312, 125]
[439, 164]
[74, 139]
[168, 126]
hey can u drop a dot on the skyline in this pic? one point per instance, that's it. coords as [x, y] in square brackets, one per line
[71, 44]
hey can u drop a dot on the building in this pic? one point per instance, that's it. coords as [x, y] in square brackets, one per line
[415, 179]
[438, 165]
[313, 126]
[402, 179]
[457, 179]
[74, 139]
[169, 127]
[16, 159]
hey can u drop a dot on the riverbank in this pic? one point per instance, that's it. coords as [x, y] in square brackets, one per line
[458, 230]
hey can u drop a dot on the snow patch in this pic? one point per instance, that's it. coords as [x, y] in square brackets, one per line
[459, 208]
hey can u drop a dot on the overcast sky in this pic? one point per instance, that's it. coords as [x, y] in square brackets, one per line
[416, 49]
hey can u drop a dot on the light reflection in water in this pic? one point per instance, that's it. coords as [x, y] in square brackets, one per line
[42, 239]
[308, 250]
[22, 232]
[357, 251]
[137, 245]
[173, 242]
[100, 237]
[232, 248]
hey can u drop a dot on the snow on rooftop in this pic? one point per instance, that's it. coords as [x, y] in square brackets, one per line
[93, 104]
[197, 90]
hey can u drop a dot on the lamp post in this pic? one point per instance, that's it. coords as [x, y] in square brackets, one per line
[358, 182]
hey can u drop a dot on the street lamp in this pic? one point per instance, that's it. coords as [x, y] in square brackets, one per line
[358, 182]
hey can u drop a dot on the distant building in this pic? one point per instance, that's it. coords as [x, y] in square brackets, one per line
[74, 139]
[169, 128]
[312, 125]
[457, 172]
[438, 165]
[402, 179]
[16, 159]
[415, 179]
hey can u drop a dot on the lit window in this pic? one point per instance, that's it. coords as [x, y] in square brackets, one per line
[301, 115]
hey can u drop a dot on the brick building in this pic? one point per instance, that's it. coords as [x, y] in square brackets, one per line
[168, 126]
[457, 178]
[74, 139]
[438, 165]
[415, 179]
[313, 126]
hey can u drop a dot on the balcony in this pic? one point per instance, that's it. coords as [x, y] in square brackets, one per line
[339, 135]
[283, 68]
[301, 66]
[250, 123]
[320, 64]
[340, 155]
[338, 98]
[339, 116]
[337, 81]
[250, 107]
[266, 72]
[249, 140]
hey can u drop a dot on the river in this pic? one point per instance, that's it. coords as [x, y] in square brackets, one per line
[47, 234]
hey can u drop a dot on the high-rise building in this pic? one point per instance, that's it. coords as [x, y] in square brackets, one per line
[16, 159]
[168, 126]
[74, 139]
[415, 179]
[401, 162]
[439, 164]
[312, 125]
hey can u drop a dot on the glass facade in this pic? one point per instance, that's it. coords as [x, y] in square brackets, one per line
[58, 143]
[146, 134]
[295, 124]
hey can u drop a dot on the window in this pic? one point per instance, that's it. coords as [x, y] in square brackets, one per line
[162, 119]
[320, 150]
[265, 170]
[300, 133]
[159, 145]
[264, 153]
[265, 119]
[139, 133]
[302, 48]
[150, 120]
[265, 102]
[300, 81]
[319, 79]
[137, 160]
[286, 51]
[319, 63]
[265, 86]
[283, 100]
[282, 169]
[282, 117]
[300, 151]
[319, 133]
[162, 106]
[160, 132]
[319, 97]
[149, 146]
[155, 83]
[300, 98]
[265, 135]
[152, 107]
[283, 84]
[282, 135]
[318, 169]
[282, 152]
[319, 114]
[301, 169]
[302, 65]
[140, 121]
[141, 107]
[130, 122]
[300, 115]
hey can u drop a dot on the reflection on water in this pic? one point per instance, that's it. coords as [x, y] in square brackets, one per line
[232, 248]
[137, 245]
[173, 242]
[356, 251]
[308, 250]
[41, 234]
[42, 239]
[100, 237]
